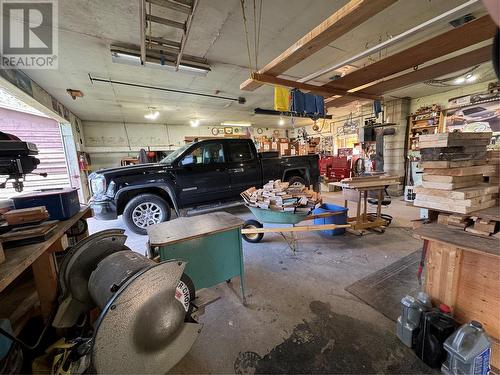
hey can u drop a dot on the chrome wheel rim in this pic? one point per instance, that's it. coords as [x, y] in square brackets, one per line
[147, 214]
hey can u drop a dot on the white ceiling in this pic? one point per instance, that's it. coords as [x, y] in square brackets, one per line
[87, 28]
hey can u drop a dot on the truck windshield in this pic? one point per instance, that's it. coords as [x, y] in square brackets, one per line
[171, 157]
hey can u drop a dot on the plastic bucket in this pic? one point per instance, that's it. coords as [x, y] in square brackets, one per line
[341, 218]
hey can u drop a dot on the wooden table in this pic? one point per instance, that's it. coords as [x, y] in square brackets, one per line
[211, 245]
[463, 271]
[40, 257]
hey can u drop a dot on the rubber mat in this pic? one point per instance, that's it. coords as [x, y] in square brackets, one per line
[384, 289]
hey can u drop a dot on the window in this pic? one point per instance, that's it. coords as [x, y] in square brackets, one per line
[205, 154]
[239, 151]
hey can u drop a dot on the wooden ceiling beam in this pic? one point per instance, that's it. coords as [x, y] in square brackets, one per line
[454, 64]
[471, 33]
[339, 23]
[319, 90]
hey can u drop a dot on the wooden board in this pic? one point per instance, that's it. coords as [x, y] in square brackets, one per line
[27, 235]
[26, 215]
[451, 164]
[492, 213]
[451, 138]
[455, 64]
[458, 153]
[461, 203]
[319, 90]
[449, 179]
[353, 14]
[20, 258]
[460, 171]
[467, 281]
[451, 185]
[479, 292]
[186, 228]
[453, 143]
[453, 207]
[450, 41]
[489, 247]
[465, 193]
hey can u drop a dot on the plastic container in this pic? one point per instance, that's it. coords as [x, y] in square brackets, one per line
[435, 328]
[60, 203]
[469, 351]
[408, 322]
[340, 219]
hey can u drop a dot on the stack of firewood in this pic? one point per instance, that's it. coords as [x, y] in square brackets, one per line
[280, 196]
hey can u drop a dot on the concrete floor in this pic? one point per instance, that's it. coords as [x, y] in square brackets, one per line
[299, 318]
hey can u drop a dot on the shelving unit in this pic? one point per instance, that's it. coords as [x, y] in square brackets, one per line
[430, 122]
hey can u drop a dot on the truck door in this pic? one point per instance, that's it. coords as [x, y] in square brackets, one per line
[243, 166]
[202, 175]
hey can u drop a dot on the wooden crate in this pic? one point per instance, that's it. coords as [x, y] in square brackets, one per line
[461, 275]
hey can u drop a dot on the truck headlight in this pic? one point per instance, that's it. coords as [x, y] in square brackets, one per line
[98, 184]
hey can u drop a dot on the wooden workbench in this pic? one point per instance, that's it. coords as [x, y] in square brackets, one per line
[40, 257]
[463, 271]
[210, 243]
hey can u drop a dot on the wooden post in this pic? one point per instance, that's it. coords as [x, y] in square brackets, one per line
[45, 274]
[2, 254]
[379, 205]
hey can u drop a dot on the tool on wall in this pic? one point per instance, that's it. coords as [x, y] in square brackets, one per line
[17, 160]
[147, 320]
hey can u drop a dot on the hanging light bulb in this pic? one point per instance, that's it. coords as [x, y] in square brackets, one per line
[194, 123]
[281, 121]
[470, 78]
[152, 115]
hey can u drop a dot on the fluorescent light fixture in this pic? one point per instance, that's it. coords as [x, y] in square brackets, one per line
[194, 123]
[470, 78]
[231, 123]
[152, 115]
[133, 58]
[460, 80]
[194, 69]
[281, 121]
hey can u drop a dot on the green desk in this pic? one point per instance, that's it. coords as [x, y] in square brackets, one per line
[211, 245]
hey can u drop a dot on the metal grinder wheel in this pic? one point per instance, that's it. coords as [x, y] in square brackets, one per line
[144, 325]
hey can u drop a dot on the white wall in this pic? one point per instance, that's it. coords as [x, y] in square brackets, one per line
[109, 142]
[443, 97]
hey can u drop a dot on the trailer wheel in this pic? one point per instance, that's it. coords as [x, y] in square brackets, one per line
[254, 237]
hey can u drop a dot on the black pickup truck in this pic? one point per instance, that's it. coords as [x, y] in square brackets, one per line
[199, 173]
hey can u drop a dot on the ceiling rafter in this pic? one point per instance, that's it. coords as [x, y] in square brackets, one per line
[339, 23]
[471, 33]
[451, 65]
[324, 91]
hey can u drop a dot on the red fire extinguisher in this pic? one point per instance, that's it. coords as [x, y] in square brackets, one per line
[82, 162]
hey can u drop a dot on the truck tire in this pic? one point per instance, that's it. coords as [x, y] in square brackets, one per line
[297, 180]
[144, 210]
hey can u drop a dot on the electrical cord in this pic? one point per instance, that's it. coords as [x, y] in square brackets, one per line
[37, 343]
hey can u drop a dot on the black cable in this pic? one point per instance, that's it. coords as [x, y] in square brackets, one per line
[240, 100]
[21, 342]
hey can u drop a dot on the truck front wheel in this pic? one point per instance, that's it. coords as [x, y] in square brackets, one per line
[145, 210]
[297, 180]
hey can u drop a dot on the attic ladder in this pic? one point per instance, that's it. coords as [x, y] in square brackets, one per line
[169, 51]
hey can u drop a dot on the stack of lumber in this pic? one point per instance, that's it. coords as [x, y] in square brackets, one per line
[454, 165]
[493, 159]
[369, 181]
[26, 215]
[280, 196]
[484, 223]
